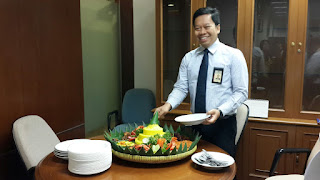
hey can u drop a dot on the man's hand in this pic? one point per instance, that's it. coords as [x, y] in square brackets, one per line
[215, 114]
[163, 110]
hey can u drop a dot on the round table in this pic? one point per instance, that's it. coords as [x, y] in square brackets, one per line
[53, 168]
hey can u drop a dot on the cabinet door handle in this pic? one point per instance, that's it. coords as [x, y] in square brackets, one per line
[297, 158]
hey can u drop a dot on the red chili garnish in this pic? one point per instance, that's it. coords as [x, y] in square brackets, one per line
[139, 127]
[131, 138]
[145, 147]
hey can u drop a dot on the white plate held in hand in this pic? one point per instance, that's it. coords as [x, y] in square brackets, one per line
[192, 119]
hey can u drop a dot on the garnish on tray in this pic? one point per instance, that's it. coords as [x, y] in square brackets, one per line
[153, 140]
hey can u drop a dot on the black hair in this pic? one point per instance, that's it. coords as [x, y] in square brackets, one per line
[214, 12]
[263, 42]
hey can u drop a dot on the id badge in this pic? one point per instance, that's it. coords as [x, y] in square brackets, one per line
[217, 75]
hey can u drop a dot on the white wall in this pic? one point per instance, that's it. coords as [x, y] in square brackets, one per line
[101, 62]
[144, 44]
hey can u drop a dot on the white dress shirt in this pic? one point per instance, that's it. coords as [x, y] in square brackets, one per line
[228, 95]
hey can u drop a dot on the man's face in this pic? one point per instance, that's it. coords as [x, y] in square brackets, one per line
[206, 30]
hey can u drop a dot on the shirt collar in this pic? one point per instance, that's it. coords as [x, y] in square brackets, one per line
[212, 49]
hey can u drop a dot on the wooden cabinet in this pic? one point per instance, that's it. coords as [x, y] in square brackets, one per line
[262, 139]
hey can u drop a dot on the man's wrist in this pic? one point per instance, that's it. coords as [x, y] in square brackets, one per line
[169, 107]
[221, 114]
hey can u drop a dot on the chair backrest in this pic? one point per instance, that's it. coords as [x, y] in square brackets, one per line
[242, 118]
[312, 171]
[137, 105]
[34, 139]
[314, 151]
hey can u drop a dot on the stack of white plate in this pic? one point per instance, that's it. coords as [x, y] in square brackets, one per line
[61, 149]
[89, 157]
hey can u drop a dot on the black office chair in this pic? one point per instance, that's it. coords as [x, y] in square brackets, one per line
[136, 109]
[311, 166]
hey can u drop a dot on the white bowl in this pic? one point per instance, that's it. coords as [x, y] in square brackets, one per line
[192, 119]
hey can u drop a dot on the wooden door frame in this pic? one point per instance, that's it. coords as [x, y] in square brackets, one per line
[127, 46]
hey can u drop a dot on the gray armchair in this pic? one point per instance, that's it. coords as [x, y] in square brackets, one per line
[34, 140]
[136, 108]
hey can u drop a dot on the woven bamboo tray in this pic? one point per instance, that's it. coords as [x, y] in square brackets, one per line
[153, 159]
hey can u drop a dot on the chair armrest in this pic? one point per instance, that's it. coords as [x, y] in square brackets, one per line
[117, 120]
[279, 153]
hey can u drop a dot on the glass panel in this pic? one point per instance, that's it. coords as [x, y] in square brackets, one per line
[311, 89]
[228, 19]
[176, 40]
[269, 51]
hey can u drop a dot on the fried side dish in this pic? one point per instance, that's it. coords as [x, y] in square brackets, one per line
[178, 143]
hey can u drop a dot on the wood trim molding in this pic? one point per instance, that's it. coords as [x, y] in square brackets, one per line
[127, 46]
[288, 121]
[159, 51]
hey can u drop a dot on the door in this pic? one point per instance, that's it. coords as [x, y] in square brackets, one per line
[175, 37]
[311, 58]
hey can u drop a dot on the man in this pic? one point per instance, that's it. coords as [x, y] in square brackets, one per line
[312, 78]
[258, 68]
[216, 76]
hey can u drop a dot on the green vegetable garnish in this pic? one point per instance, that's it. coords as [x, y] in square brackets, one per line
[164, 148]
[154, 119]
[167, 135]
[157, 136]
[138, 131]
[152, 140]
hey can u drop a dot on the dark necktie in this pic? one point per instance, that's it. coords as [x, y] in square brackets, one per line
[200, 101]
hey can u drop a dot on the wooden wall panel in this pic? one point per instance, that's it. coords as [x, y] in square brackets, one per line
[127, 46]
[306, 137]
[40, 66]
[267, 140]
[263, 142]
